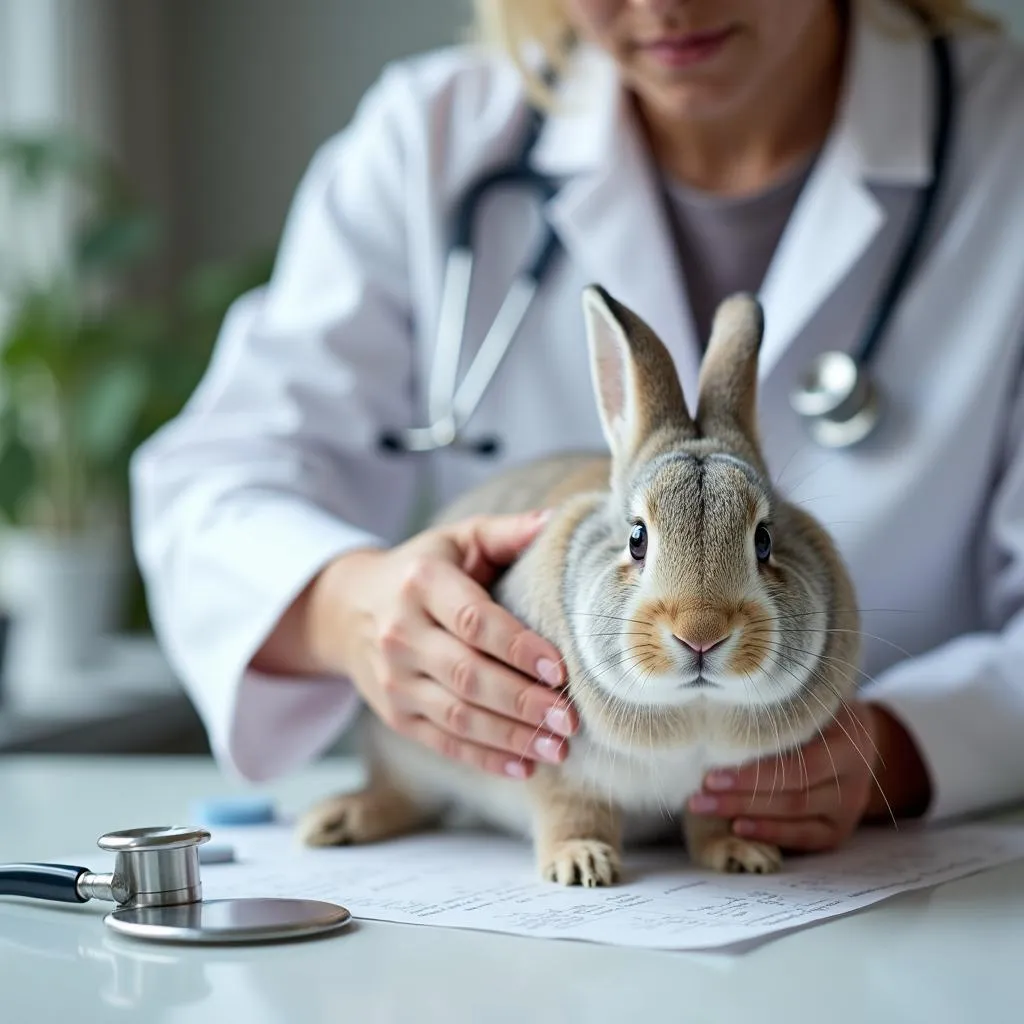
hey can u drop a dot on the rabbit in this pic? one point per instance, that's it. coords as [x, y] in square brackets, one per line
[704, 621]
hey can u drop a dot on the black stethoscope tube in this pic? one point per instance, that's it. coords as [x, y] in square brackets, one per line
[53, 882]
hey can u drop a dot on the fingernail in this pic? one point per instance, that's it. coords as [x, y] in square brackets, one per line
[744, 827]
[549, 672]
[558, 720]
[550, 749]
[701, 803]
[542, 515]
[720, 780]
[516, 769]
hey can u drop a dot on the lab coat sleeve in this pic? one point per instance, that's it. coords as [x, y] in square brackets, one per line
[963, 702]
[268, 473]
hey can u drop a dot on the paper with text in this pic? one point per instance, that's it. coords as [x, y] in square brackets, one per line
[485, 882]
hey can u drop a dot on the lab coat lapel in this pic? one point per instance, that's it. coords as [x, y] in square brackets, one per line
[611, 198]
[880, 137]
[832, 225]
[609, 214]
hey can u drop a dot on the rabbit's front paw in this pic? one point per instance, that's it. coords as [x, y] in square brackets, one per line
[364, 817]
[732, 854]
[588, 862]
[338, 820]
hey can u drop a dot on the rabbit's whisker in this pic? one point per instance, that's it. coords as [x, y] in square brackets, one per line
[807, 476]
[836, 611]
[805, 778]
[778, 645]
[615, 632]
[828, 750]
[867, 763]
[618, 618]
[603, 666]
[799, 695]
[839, 629]
[814, 674]
[778, 746]
[789, 461]
[755, 720]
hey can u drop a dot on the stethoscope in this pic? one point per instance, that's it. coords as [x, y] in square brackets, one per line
[158, 893]
[836, 396]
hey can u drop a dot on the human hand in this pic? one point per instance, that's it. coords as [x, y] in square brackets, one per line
[812, 799]
[435, 657]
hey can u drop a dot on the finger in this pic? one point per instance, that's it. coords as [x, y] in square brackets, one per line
[466, 610]
[473, 678]
[805, 834]
[495, 762]
[489, 541]
[430, 700]
[825, 801]
[818, 762]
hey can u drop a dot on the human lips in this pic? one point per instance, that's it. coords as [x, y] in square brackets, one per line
[678, 51]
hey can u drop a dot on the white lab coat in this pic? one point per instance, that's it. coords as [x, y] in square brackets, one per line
[270, 471]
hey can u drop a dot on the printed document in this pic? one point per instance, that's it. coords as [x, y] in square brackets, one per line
[490, 883]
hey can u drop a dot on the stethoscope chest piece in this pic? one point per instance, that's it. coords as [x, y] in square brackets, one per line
[248, 920]
[158, 894]
[837, 401]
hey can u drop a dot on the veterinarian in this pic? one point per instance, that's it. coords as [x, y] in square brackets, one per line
[687, 150]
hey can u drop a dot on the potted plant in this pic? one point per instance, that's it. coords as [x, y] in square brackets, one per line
[88, 368]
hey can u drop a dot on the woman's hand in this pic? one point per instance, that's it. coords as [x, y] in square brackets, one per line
[434, 656]
[864, 766]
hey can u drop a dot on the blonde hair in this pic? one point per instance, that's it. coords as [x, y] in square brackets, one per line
[518, 26]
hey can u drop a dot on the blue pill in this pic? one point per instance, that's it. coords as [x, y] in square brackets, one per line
[233, 811]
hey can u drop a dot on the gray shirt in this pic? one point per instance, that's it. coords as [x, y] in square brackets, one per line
[726, 243]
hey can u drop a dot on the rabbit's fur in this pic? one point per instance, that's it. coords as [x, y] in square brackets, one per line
[655, 717]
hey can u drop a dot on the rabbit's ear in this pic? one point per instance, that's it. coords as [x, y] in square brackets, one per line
[634, 378]
[727, 388]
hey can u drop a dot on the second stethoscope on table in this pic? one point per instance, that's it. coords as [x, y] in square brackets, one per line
[837, 398]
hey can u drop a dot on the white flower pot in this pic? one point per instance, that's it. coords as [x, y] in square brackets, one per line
[64, 595]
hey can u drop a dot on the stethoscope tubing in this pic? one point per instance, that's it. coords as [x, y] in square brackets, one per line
[835, 420]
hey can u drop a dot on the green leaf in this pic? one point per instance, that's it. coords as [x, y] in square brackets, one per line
[18, 474]
[41, 329]
[35, 158]
[209, 289]
[33, 161]
[117, 241]
[125, 330]
[108, 409]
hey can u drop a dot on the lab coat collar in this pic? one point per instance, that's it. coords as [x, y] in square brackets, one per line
[882, 136]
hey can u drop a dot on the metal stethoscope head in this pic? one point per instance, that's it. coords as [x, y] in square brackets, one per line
[837, 401]
[158, 894]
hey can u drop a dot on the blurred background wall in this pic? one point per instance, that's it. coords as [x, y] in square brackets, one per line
[229, 98]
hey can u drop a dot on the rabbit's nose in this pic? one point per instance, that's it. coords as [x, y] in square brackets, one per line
[701, 646]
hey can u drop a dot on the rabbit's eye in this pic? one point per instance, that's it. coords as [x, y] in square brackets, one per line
[762, 543]
[638, 541]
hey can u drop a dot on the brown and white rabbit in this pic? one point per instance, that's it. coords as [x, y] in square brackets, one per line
[704, 621]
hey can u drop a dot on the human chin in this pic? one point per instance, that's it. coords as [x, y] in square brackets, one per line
[696, 96]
